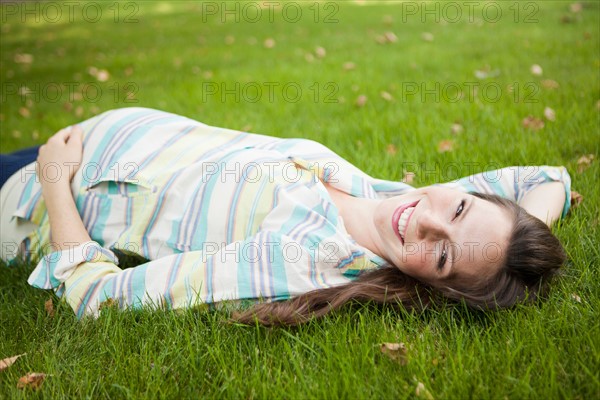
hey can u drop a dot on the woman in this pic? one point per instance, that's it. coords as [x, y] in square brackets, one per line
[223, 215]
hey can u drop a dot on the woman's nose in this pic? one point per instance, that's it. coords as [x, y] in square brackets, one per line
[431, 226]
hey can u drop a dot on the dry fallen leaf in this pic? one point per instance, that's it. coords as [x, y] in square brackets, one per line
[8, 361]
[395, 351]
[386, 96]
[25, 113]
[349, 66]
[427, 36]
[576, 199]
[575, 297]
[320, 52]
[536, 70]
[23, 58]
[550, 84]
[445, 146]
[269, 43]
[422, 392]
[390, 37]
[49, 308]
[584, 162]
[108, 303]
[32, 380]
[391, 149]
[535, 124]
[103, 75]
[486, 72]
[409, 177]
[549, 114]
[456, 128]
[361, 100]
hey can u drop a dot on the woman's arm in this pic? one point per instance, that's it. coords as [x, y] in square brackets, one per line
[545, 202]
[57, 162]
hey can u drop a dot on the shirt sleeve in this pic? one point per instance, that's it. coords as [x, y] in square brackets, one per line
[514, 183]
[267, 266]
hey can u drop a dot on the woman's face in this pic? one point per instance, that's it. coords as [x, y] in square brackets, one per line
[435, 233]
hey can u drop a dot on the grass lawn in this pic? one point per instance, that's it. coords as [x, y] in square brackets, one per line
[432, 80]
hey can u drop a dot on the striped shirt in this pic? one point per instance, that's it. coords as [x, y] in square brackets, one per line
[220, 214]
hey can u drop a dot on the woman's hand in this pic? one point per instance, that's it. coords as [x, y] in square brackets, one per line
[59, 159]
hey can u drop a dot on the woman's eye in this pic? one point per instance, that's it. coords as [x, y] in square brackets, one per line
[460, 208]
[443, 258]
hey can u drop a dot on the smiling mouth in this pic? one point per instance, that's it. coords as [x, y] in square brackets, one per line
[400, 219]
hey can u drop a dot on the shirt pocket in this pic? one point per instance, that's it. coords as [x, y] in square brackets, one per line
[130, 187]
[110, 208]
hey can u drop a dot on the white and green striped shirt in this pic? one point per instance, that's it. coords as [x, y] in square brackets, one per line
[220, 214]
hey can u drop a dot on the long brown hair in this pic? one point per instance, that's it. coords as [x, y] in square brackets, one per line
[533, 257]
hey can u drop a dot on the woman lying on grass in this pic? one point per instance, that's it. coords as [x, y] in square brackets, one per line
[226, 215]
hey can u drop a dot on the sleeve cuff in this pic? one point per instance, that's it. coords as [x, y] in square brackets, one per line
[56, 267]
[560, 174]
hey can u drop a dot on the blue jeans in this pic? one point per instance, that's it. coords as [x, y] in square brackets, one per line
[11, 163]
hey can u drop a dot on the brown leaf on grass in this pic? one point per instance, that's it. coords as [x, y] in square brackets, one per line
[445, 146]
[409, 177]
[427, 36]
[549, 114]
[361, 100]
[395, 351]
[32, 380]
[23, 58]
[533, 123]
[49, 307]
[24, 112]
[8, 361]
[584, 162]
[388, 37]
[386, 96]
[269, 43]
[576, 199]
[550, 84]
[103, 75]
[456, 128]
[536, 70]
[576, 7]
[391, 149]
[108, 303]
[320, 52]
[422, 392]
[349, 66]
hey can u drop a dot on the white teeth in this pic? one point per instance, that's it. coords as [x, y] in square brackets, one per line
[403, 219]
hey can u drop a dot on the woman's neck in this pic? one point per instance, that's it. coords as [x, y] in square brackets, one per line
[357, 214]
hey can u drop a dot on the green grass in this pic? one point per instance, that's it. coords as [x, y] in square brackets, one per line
[549, 350]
